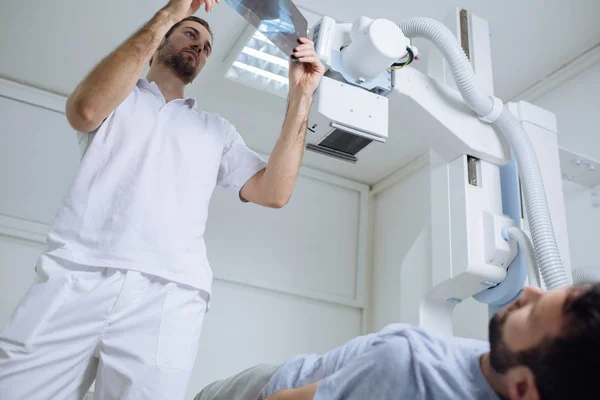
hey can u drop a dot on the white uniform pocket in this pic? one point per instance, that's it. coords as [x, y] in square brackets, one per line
[180, 327]
[42, 300]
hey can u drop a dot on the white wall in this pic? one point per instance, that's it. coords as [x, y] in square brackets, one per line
[400, 277]
[576, 104]
[316, 234]
[583, 221]
[287, 281]
[401, 260]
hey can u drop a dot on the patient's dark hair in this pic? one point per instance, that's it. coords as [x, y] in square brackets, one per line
[190, 18]
[569, 364]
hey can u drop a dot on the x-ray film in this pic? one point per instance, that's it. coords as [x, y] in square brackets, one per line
[279, 20]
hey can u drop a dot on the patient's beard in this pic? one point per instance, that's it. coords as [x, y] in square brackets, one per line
[501, 358]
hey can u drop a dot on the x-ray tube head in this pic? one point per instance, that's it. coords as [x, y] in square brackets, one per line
[375, 46]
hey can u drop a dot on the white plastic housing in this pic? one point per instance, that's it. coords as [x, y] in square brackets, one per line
[468, 252]
[376, 45]
[323, 36]
[349, 113]
[349, 107]
[497, 251]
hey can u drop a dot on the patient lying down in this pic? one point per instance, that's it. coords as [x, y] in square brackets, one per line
[543, 346]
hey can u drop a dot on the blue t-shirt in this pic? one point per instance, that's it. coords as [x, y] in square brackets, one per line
[399, 362]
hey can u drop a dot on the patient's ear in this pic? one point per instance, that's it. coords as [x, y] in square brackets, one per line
[521, 384]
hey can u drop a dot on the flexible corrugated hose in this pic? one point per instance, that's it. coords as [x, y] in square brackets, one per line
[586, 275]
[542, 231]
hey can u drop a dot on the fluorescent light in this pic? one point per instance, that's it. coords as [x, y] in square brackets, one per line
[266, 57]
[260, 64]
[261, 72]
[259, 36]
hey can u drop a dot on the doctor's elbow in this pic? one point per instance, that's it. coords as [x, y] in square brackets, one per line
[278, 201]
[81, 115]
[278, 198]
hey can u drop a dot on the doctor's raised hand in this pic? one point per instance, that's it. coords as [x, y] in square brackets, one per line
[306, 73]
[180, 9]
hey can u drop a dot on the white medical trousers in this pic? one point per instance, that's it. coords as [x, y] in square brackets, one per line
[136, 334]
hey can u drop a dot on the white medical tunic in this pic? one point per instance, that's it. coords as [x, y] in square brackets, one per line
[140, 198]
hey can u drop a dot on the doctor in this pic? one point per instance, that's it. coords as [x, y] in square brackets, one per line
[122, 289]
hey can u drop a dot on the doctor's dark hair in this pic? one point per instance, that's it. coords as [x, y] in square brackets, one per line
[190, 18]
[568, 365]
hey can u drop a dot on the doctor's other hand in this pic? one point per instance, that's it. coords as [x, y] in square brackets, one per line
[180, 9]
[305, 74]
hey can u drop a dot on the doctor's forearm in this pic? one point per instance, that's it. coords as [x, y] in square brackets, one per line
[284, 163]
[109, 83]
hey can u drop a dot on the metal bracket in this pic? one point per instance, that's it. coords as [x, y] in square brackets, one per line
[596, 197]
[579, 169]
[582, 170]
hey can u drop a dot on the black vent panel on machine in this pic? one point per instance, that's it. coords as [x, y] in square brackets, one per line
[345, 142]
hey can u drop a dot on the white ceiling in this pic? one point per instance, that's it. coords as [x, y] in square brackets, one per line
[53, 44]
